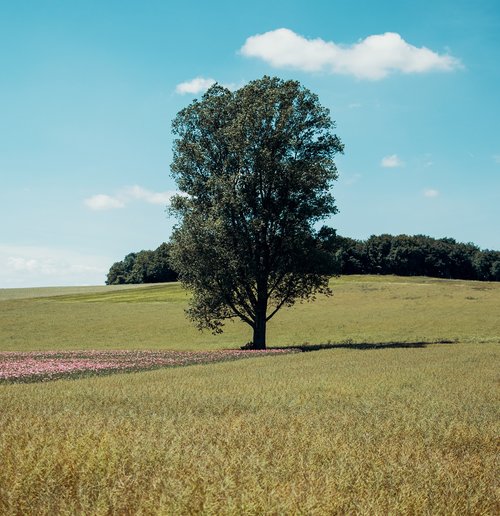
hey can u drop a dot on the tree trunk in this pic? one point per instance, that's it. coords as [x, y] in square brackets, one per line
[259, 331]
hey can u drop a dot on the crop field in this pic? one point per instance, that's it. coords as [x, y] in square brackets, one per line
[394, 409]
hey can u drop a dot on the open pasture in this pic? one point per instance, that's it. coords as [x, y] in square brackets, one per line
[363, 309]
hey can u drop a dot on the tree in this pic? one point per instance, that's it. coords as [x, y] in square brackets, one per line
[255, 167]
[143, 267]
[120, 272]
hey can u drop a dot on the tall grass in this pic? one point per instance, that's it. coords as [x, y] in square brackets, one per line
[386, 431]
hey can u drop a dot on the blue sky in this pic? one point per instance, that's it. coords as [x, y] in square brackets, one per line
[88, 91]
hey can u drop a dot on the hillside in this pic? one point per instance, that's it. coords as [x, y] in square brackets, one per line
[371, 309]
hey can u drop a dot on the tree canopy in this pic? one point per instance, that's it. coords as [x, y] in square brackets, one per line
[417, 255]
[143, 267]
[256, 169]
[402, 255]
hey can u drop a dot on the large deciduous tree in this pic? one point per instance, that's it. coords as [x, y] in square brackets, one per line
[256, 167]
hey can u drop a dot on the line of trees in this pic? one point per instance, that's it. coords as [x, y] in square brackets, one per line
[418, 255]
[401, 255]
[143, 267]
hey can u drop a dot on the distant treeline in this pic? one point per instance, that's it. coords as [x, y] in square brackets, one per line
[418, 255]
[143, 267]
[401, 255]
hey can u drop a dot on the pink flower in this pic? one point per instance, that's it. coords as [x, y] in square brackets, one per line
[46, 365]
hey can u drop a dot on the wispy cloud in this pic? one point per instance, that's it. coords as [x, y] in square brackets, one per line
[201, 84]
[349, 180]
[194, 86]
[392, 161]
[374, 57]
[30, 266]
[102, 202]
[496, 157]
[142, 194]
[431, 192]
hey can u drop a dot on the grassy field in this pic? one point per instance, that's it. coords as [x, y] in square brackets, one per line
[369, 309]
[400, 428]
[401, 431]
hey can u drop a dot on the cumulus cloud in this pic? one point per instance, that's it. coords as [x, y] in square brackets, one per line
[127, 194]
[196, 85]
[372, 58]
[31, 266]
[391, 161]
[431, 192]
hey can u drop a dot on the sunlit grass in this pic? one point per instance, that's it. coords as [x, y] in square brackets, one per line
[157, 293]
[363, 309]
[7, 294]
[401, 428]
[386, 431]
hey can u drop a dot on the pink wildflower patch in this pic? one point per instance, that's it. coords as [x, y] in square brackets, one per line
[50, 365]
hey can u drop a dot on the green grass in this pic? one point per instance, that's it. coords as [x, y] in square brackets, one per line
[353, 429]
[363, 309]
[7, 294]
[387, 431]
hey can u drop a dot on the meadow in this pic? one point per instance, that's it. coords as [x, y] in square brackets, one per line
[393, 411]
[369, 309]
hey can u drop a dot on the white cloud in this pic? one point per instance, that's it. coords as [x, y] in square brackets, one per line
[200, 85]
[430, 192]
[102, 202]
[125, 195]
[17, 263]
[141, 194]
[196, 85]
[496, 157]
[391, 161]
[30, 266]
[373, 58]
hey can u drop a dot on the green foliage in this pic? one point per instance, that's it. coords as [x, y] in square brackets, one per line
[143, 267]
[418, 255]
[256, 167]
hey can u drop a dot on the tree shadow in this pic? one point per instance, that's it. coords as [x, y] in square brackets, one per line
[306, 347]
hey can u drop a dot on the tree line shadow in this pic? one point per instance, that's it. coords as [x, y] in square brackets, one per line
[306, 347]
